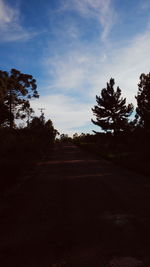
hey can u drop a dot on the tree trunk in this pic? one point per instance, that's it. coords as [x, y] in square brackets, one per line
[10, 111]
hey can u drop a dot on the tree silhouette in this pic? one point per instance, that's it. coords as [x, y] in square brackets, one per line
[25, 111]
[43, 128]
[4, 110]
[143, 101]
[64, 137]
[111, 111]
[4, 114]
[16, 89]
[37, 123]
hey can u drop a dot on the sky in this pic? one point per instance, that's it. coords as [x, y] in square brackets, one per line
[72, 48]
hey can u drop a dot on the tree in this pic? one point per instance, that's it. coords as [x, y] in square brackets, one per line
[51, 130]
[3, 86]
[143, 101]
[75, 135]
[4, 110]
[111, 111]
[16, 89]
[64, 138]
[44, 129]
[37, 123]
[25, 111]
[4, 114]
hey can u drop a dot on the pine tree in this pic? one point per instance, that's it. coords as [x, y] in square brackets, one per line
[111, 111]
[143, 101]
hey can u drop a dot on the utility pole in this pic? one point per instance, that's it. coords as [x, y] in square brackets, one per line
[42, 113]
[41, 109]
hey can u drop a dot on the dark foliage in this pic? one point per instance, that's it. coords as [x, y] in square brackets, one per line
[44, 129]
[20, 149]
[143, 101]
[4, 114]
[129, 149]
[64, 138]
[16, 89]
[111, 111]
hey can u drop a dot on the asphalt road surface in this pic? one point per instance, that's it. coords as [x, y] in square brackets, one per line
[77, 210]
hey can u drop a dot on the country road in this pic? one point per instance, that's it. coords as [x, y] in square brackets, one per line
[76, 210]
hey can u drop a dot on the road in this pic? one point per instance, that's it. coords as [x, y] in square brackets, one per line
[76, 210]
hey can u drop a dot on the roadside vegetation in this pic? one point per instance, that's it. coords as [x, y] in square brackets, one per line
[20, 147]
[125, 140]
[123, 136]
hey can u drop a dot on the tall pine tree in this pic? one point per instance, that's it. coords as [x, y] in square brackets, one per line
[143, 101]
[111, 111]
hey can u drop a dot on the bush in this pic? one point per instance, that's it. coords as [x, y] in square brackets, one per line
[19, 149]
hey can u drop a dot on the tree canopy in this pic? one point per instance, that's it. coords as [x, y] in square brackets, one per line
[16, 89]
[111, 111]
[143, 101]
[43, 128]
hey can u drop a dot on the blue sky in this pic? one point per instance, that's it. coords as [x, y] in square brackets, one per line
[72, 48]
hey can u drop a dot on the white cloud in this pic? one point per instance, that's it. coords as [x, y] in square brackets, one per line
[69, 71]
[89, 70]
[10, 27]
[84, 73]
[126, 66]
[101, 10]
[66, 112]
[7, 14]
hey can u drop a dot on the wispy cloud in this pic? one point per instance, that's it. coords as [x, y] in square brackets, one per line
[7, 14]
[66, 112]
[78, 64]
[145, 5]
[68, 70]
[84, 72]
[126, 64]
[101, 10]
[10, 26]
